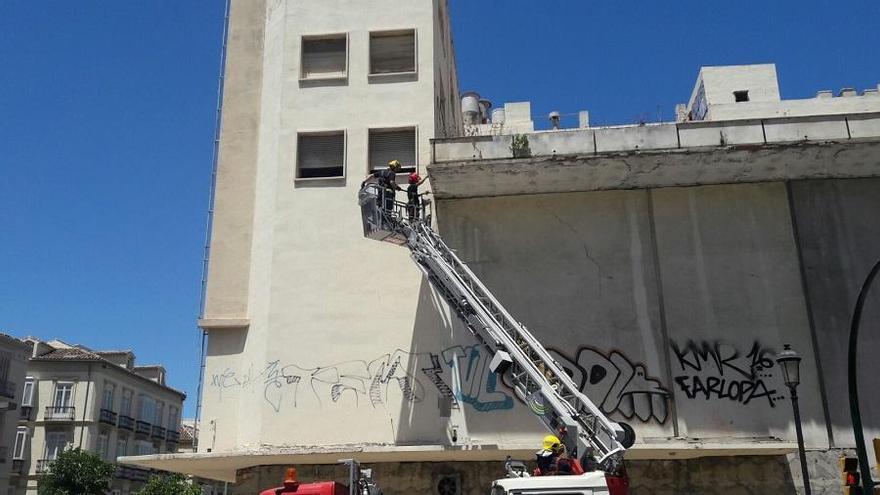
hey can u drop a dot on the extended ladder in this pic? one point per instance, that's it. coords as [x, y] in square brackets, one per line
[526, 365]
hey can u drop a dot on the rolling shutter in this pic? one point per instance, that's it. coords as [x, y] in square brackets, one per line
[323, 57]
[392, 52]
[387, 145]
[320, 155]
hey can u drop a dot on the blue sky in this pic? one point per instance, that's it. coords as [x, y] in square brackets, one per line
[107, 114]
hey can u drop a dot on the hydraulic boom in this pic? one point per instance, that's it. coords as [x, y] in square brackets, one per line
[537, 379]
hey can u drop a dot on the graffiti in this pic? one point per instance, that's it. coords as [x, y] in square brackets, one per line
[350, 382]
[616, 384]
[358, 382]
[477, 382]
[720, 371]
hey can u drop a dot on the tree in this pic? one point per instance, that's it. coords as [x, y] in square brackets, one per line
[76, 472]
[170, 484]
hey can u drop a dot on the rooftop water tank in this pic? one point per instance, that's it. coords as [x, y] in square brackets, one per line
[498, 116]
[470, 107]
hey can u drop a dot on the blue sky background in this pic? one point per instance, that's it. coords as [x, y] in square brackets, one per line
[107, 113]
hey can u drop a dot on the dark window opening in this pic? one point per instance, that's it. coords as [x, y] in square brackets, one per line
[741, 96]
[321, 155]
[393, 144]
[392, 52]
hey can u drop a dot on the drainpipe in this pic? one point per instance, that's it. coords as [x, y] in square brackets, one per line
[82, 428]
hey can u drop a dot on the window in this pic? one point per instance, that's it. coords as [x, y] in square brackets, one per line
[393, 52]
[121, 446]
[27, 395]
[741, 96]
[107, 401]
[103, 446]
[172, 418]
[393, 144]
[125, 407]
[63, 395]
[321, 155]
[148, 408]
[324, 57]
[21, 436]
[4, 367]
[55, 443]
[160, 411]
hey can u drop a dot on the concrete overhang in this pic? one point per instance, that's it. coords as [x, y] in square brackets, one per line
[222, 323]
[659, 155]
[223, 466]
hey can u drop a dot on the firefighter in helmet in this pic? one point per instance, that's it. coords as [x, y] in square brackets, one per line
[387, 178]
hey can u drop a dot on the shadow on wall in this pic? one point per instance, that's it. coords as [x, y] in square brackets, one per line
[839, 238]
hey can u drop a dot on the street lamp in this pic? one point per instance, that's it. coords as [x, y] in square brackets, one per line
[790, 362]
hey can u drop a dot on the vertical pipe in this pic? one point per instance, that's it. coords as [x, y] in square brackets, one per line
[210, 221]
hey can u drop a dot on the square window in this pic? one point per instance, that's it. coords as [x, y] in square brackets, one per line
[320, 155]
[324, 57]
[741, 96]
[393, 144]
[393, 52]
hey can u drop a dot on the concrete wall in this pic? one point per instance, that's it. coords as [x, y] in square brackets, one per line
[313, 303]
[839, 238]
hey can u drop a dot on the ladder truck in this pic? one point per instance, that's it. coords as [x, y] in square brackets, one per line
[526, 365]
[592, 440]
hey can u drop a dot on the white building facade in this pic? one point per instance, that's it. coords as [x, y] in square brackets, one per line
[73, 397]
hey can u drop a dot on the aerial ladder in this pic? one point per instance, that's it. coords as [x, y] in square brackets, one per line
[517, 357]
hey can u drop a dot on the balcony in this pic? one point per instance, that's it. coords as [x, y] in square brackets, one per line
[7, 389]
[134, 474]
[17, 466]
[158, 432]
[26, 413]
[107, 416]
[126, 422]
[43, 465]
[173, 436]
[142, 427]
[60, 413]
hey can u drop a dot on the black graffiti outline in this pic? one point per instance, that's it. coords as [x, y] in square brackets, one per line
[619, 392]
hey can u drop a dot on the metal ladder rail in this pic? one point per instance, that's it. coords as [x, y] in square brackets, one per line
[565, 400]
[515, 328]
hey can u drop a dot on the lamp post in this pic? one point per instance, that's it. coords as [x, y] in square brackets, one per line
[790, 363]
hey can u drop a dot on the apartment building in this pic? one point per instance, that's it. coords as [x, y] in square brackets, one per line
[101, 401]
[13, 360]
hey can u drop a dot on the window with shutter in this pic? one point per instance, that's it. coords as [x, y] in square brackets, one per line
[393, 52]
[324, 57]
[320, 155]
[393, 144]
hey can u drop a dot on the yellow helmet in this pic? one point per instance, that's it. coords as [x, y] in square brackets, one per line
[394, 164]
[551, 442]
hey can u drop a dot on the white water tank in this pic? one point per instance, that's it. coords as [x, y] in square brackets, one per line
[470, 107]
[498, 115]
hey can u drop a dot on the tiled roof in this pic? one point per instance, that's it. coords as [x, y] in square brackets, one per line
[70, 354]
[79, 354]
[187, 433]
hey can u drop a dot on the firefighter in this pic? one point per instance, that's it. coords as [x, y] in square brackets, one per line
[548, 458]
[387, 178]
[414, 200]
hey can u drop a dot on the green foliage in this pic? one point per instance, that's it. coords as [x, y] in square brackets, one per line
[171, 484]
[519, 146]
[76, 472]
